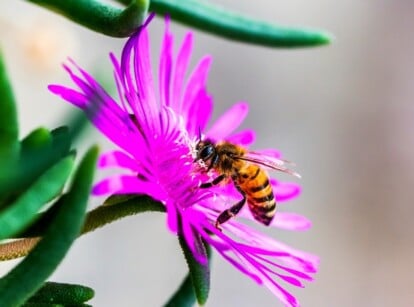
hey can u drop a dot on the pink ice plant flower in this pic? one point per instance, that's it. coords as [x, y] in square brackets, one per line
[156, 152]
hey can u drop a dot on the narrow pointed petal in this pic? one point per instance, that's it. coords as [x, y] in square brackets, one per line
[165, 66]
[196, 82]
[285, 191]
[199, 113]
[172, 218]
[118, 158]
[70, 95]
[291, 221]
[181, 65]
[244, 138]
[229, 121]
[125, 184]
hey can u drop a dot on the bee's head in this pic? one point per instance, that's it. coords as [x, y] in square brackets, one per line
[205, 150]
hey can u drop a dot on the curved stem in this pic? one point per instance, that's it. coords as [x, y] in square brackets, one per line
[17, 249]
[96, 218]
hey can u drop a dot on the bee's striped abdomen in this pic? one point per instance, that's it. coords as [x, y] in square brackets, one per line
[258, 189]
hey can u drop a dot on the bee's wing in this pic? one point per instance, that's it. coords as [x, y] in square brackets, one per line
[268, 162]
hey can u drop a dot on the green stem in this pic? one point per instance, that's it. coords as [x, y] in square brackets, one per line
[100, 17]
[106, 214]
[184, 296]
[96, 218]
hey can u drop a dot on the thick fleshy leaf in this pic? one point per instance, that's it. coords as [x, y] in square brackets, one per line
[61, 139]
[99, 16]
[231, 25]
[36, 140]
[21, 177]
[29, 275]
[200, 273]
[61, 293]
[24, 210]
[9, 130]
[39, 151]
[184, 296]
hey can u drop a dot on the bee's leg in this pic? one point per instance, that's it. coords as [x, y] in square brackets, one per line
[232, 211]
[216, 181]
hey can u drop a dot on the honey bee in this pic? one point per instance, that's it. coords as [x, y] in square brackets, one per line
[245, 170]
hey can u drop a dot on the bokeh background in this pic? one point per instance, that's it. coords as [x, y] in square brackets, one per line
[344, 113]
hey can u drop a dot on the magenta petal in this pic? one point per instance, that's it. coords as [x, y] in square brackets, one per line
[229, 121]
[285, 190]
[181, 64]
[196, 82]
[69, 95]
[275, 265]
[118, 159]
[125, 184]
[194, 242]
[244, 138]
[291, 221]
[199, 113]
[283, 295]
[165, 66]
[172, 218]
[138, 81]
[242, 268]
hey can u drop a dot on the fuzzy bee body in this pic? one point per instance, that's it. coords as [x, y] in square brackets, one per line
[254, 182]
[231, 162]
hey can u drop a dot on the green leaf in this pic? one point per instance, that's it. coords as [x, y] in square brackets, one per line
[40, 150]
[61, 140]
[100, 17]
[61, 293]
[200, 273]
[9, 130]
[28, 276]
[231, 25]
[24, 210]
[37, 140]
[184, 296]
[36, 304]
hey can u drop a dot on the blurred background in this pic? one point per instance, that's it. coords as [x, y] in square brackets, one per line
[344, 113]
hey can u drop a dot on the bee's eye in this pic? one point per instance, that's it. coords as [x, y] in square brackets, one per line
[206, 152]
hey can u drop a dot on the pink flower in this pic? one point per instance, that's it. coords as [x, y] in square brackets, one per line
[156, 147]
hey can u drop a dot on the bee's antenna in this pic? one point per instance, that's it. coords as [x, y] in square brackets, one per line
[199, 133]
